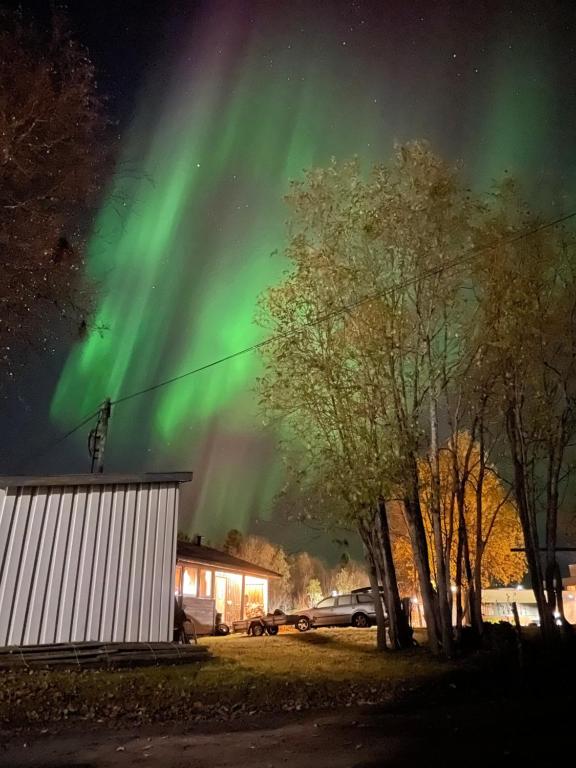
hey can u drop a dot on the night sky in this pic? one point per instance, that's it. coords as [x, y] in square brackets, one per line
[218, 105]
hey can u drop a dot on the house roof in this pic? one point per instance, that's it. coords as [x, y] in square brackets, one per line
[198, 553]
[38, 481]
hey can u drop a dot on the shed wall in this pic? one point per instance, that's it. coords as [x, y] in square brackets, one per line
[87, 563]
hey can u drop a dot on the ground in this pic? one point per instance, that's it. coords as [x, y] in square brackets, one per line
[454, 728]
[384, 710]
[290, 672]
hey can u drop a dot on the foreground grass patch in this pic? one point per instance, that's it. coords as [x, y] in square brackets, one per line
[292, 671]
[323, 655]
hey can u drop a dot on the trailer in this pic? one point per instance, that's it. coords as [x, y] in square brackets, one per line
[264, 625]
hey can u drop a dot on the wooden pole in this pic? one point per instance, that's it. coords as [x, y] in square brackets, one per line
[517, 625]
[98, 438]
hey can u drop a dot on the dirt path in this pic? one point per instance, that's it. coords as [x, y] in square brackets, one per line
[324, 741]
[465, 728]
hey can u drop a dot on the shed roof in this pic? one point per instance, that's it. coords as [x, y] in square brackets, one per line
[28, 481]
[198, 553]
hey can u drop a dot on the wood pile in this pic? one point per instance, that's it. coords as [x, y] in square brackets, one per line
[96, 654]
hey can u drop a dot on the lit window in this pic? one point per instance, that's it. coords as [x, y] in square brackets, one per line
[205, 583]
[255, 596]
[190, 582]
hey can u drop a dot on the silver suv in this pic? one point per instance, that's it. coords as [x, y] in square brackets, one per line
[355, 609]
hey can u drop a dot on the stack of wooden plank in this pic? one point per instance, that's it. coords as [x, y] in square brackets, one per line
[96, 654]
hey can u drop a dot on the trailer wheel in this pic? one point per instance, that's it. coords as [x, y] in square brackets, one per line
[272, 629]
[257, 629]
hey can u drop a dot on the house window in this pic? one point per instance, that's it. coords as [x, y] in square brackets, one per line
[190, 581]
[255, 596]
[228, 595]
[205, 583]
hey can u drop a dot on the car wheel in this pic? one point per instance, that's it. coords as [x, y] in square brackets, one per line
[272, 629]
[360, 620]
[222, 629]
[303, 624]
[257, 629]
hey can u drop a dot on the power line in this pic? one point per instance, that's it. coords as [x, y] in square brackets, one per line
[323, 318]
[473, 252]
[61, 439]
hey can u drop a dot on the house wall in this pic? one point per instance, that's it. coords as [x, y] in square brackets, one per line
[87, 562]
[234, 594]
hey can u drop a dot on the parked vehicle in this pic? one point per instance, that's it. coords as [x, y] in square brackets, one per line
[354, 609]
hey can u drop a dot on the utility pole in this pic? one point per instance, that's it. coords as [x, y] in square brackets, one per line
[97, 438]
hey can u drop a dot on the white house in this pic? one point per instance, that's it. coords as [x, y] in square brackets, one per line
[216, 587]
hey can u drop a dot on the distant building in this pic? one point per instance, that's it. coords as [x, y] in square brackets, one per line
[88, 557]
[497, 604]
[217, 588]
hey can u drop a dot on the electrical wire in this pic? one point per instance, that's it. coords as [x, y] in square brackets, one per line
[61, 439]
[473, 252]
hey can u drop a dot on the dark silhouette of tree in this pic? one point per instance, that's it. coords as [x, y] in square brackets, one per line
[52, 159]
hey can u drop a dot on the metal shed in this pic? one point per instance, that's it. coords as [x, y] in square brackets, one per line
[88, 557]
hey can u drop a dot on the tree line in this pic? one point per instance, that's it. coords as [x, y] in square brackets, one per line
[305, 579]
[421, 364]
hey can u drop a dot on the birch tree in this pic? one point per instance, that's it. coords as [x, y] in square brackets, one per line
[527, 295]
[360, 379]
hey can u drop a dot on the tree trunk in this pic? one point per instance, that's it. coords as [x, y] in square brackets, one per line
[366, 537]
[458, 576]
[413, 514]
[399, 630]
[436, 514]
[476, 598]
[528, 519]
[555, 602]
[470, 592]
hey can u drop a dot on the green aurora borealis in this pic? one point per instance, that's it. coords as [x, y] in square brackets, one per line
[183, 244]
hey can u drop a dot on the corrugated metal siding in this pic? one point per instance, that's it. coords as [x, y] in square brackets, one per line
[87, 563]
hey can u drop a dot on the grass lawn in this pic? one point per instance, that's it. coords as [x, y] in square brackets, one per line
[320, 656]
[292, 671]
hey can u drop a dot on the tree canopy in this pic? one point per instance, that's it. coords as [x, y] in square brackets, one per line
[415, 312]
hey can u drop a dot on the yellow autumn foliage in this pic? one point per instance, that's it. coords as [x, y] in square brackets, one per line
[500, 527]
